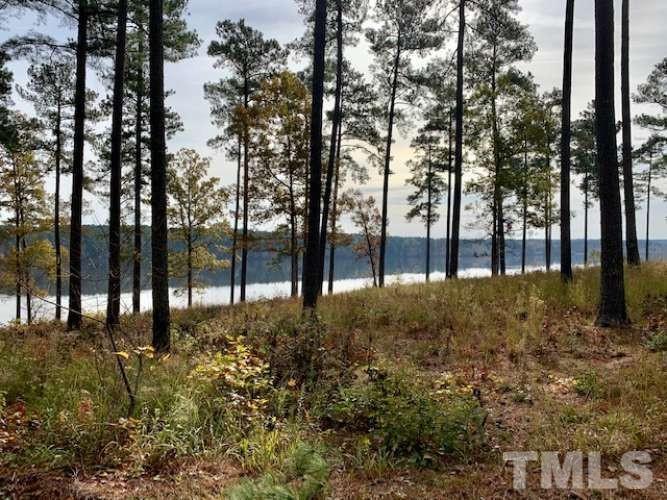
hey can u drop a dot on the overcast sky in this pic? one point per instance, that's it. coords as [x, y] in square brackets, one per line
[279, 19]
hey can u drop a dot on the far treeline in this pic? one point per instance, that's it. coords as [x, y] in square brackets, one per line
[446, 73]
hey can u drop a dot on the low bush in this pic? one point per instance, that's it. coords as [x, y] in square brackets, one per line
[658, 342]
[408, 419]
[303, 476]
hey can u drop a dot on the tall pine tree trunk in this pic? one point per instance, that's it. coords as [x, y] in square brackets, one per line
[458, 168]
[246, 197]
[26, 270]
[501, 236]
[159, 229]
[113, 295]
[565, 160]
[429, 209]
[19, 267]
[335, 125]
[334, 213]
[632, 246]
[547, 219]
[498, 251]
[648, 205]
[235, 234]
[524, 215]
[612, 310]
[56, 211]
[190, 280]
[494, 234]
[449, 196]
[387, 166]
[74, 316]
[312, 267]
[294, 257]
[138, 184]
[586, 203]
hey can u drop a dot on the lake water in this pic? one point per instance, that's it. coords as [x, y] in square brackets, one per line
[219, 295]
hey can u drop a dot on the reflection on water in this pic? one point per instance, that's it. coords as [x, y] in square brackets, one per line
[219, 295]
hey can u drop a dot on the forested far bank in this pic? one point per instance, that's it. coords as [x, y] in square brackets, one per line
[269, 263]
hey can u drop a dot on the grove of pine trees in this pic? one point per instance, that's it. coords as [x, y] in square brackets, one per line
[451, 76]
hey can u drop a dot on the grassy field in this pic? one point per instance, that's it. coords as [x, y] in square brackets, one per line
[407, 392]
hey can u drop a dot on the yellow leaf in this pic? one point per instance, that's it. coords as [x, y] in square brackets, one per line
[122, 354]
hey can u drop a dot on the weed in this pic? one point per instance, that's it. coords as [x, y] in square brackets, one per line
[658, 342]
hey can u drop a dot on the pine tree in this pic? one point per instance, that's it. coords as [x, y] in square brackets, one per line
[159, 228]
[429, 186]
[358, 133]
[565, 239]
[251, 58]
[548, 140]
[654, 91]
[500, 42]
[349, 16]
[404, 28]
[458, 158]
[584, 154]
[75, 305]
[113, 294]
[180, 43]
[632, 246]
[50, 89]
[654, 154]
[312, 267]
[612, 309]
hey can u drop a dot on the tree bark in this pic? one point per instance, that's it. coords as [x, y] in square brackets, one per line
[632, 245]
[458, 167]
[335, 125]
[449, 196]
[74, 316]
[586, 203]
[159, 229]
[524, 230]
[494, 233]
[387, 166]
[293, 252]
[498, 239]
[429, 209]
[547, 218]
[612, 309]
[565, 159]
[138, 183]
[334, 214]
[311, 285]
[56, 211]
[113, 295]
[19, 267]
[648, 206]
[246, 197]
[189, 267]
[232, 269]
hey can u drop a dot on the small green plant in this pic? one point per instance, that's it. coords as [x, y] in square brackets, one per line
[404, 417]
[303, 476]
[588, 385]
[658, 342]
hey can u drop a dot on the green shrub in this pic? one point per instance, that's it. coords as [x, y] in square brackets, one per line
[658, 342]
[303, 476]
[403, 418]
[588, 385]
